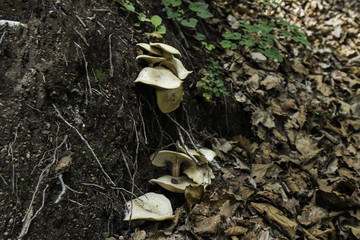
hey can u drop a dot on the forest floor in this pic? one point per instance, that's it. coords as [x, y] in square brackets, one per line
[76, 132]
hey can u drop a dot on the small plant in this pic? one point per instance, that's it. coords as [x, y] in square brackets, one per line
[188, 15]
[212, 82]
[154, 20]
[260, 36]
[100, 75]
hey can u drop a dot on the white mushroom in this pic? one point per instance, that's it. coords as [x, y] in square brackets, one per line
[151, 206]
[159, 77]
[173, 184]
[175, 159]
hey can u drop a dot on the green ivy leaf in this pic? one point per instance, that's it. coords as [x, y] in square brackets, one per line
[174, 3]
[171, 13]
[129, 6]
[191, 23]
[204, 14]
[225, 43]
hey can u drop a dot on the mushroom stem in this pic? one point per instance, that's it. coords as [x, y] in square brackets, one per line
[175, 171]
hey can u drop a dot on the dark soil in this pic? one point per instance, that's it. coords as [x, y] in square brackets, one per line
[60, 60]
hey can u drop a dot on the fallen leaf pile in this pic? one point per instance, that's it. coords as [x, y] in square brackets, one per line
[298, 178]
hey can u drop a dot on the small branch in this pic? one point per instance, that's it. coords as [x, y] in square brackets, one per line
[31, 217]
[2, 37]
[186, 132]
[111, 74]
[86, 68]
[185, 147]
[81, 21]
[87, 144]
[82, 37]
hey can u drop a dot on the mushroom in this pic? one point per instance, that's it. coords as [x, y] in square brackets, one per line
[177, 160]
[159, 77]
[200, 174]
[204, 155]
[176, 66]
[167, 50]
[148, 48]
[151, 206]
[169, 99]
[173, 184]
[150, 59]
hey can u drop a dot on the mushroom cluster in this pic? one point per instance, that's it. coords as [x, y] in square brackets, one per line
[165, 72]
[181, 162]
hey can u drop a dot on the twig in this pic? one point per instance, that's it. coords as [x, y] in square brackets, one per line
[11, 152]
[186, 132]
[82, 37]
[185, 147]
[29, 217]
[92, 184]
[2, 37]
[63, 189]
[87, 144]
[143, 124]
[86, 69]
[110, 59]
[81, 21]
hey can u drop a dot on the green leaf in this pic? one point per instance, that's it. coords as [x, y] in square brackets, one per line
[191, 23]
[161, 30]
[204, 14]
[174, 3]
[232, 36]
[129, 6]
[199, 36]
[225, 43]
[207, 96]
[171, 13]
[156, 20]
[142, 17]
[193, 7]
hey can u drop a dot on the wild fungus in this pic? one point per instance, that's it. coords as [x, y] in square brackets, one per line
[169, 99]
[151, 60]
[148, 48]
[204, 155]
[200, 174]
[151, 206]
[159, 77]
[176, 66]
[173, 184]
[167, 50]
[175, 159]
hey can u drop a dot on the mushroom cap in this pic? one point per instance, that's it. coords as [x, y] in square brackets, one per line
[167, 50]
[173, 184]
[151, 206]
[150, 59]
[169, 100]
[148, 48]
[159, 77]
[204, 155]
[200, 174]
[176, 66]
[177, 160]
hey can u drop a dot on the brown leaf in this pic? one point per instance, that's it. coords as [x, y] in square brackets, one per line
[277, 217]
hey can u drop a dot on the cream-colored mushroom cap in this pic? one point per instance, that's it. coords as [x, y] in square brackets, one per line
[173, 184]
[151, 206]
[176, 66]
[175, 159]
[166, 49]
[200, 174]
[150, 59]
[169, 100]
[204, 155]
[159, 77]
[148, 48]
